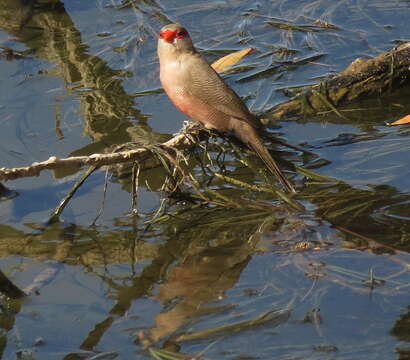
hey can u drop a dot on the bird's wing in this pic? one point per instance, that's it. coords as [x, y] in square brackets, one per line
[207, 85]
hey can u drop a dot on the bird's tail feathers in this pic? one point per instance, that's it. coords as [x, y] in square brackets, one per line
[271, 164]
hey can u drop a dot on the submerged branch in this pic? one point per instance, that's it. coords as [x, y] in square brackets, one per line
[362, 78]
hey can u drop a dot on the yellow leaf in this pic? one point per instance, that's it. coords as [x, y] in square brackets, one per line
[403, 120]
[227, 61]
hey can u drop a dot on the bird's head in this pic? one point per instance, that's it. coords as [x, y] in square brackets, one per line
[175, 38]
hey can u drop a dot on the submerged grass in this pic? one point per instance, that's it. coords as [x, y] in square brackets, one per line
[273, 318]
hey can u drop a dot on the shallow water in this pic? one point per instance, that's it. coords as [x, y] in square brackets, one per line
[84, 78]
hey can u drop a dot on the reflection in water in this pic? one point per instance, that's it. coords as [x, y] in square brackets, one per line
[204, 264]
[106, 107]
[202, 256]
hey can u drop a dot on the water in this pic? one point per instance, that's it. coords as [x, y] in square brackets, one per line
[124, 284]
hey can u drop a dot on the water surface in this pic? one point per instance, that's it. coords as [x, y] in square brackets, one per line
[84, 79]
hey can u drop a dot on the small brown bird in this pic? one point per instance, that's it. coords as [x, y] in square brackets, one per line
[199, 92]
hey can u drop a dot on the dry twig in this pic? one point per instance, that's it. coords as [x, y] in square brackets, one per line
[183, 140]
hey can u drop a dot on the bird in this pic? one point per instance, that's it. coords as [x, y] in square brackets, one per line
[198, 91]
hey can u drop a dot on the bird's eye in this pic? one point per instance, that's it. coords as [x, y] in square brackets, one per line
[181, 34]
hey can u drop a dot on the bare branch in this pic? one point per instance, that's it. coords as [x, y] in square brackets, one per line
[183, 140]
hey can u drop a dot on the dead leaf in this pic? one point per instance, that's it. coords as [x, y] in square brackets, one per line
[403, 120]
[227, 61]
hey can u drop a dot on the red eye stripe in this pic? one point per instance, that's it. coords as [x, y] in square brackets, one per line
[167, 35]
[182, 34]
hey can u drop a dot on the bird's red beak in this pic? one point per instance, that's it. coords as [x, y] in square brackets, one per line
[167, 35]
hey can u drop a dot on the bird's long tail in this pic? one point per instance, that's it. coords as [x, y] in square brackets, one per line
[256, 144]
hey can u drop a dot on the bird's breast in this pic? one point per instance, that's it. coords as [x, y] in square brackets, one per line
[175, 83]
[178, 84]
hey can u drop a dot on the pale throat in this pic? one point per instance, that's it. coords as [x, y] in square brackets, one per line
[173, 74]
